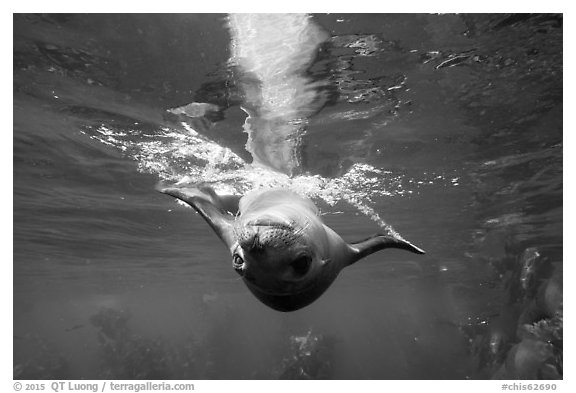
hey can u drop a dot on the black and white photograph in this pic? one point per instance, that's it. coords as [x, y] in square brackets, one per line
[287, 196]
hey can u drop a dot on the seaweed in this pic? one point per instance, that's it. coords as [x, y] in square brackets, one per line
[126, 355]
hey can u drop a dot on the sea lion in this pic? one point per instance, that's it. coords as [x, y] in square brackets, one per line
[284, 252]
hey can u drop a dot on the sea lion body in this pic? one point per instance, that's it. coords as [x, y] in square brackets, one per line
[284, 252]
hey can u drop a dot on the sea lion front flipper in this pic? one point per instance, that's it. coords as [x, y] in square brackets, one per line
[209, 206]
[379, 242]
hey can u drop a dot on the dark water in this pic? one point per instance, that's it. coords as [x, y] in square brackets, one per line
[447, 127]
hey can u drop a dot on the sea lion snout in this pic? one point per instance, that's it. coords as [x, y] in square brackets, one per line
[248, 238]
[256, 235]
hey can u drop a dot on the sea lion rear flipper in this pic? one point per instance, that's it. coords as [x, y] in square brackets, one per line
[379, 242]
[207, 203]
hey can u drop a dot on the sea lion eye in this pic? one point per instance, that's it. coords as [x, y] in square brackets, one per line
[301, 265]
[237, 262]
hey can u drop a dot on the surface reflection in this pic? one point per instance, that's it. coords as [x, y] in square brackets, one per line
[271, 54]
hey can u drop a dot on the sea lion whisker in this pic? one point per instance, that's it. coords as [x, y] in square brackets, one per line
[300, 231]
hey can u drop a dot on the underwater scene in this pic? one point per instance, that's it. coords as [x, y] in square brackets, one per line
[442, 133]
